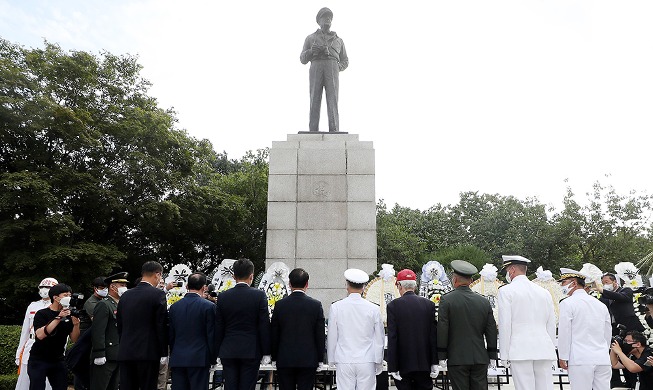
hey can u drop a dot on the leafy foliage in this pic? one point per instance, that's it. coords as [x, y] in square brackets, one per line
[9, 338]
[95, 178]
[607, 229]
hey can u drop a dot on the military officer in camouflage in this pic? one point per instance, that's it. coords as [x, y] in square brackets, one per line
[105, 340]
[467, 332]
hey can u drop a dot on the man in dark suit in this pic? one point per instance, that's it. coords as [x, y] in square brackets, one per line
[412, 336]
[619, 301]
[142, 321]
[467, 332]
[104, 335]
[297, 335]
[242, 329]
[192, 337]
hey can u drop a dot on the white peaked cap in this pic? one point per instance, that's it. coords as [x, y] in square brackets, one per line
[356, 276]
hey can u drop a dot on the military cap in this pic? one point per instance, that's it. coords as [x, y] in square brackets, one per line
[463, 268]
[406, 274]
[356, 276]
[510, 260]
[566, 273]
[322, 12]
[120, 277]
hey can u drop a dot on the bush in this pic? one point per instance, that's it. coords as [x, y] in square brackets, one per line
[8, 382]
[9, 338]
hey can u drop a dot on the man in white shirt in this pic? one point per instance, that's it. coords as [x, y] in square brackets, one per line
[355, 336]
[527, 328]
[584, 332]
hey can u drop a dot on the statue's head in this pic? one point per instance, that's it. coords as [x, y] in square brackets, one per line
[323, 18]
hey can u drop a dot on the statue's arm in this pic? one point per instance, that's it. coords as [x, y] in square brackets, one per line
[306, 55]
[344, 60]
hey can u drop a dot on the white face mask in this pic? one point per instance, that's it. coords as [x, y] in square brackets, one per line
[43, 292]
[508, 278]
[65, 301]
[566, 289]
[103, 293]
[608, 287]
[121, 290]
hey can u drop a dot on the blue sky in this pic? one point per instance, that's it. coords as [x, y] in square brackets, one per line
[509, 97]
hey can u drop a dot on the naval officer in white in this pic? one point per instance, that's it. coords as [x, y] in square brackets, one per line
[584, 333]
[527, 328]
[355, 337]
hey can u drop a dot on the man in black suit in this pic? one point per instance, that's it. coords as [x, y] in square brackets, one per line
[242, 329]
[619, 301]
[192, 337]
[297, 335]
[412, 337]
[142, 321]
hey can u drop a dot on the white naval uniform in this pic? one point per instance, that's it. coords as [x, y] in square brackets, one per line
[584, 334]
[26, 342]
[527, 331]
[355, 342]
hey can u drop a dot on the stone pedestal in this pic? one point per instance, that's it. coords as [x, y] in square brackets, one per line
[322, 209]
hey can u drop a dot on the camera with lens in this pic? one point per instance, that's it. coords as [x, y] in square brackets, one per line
[77, 305]
[619, 338]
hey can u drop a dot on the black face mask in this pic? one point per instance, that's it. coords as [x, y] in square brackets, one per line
[627, 348]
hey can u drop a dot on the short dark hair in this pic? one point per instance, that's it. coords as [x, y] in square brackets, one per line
[243, 268]
[579, 281]
[637, 337]
[58, 289]
[98, 282]
[356, 286]
[298, 278]
[196, 281]
[151, 267]
[609, 275]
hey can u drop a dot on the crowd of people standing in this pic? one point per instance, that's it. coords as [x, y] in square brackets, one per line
[132, 334]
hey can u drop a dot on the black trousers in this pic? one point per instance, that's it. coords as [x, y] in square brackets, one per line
[55, 371]
[190, 378]
[105, 377]
[239, 374]
[139, 374]
[468, 377]
[416, 380]
[296, 378]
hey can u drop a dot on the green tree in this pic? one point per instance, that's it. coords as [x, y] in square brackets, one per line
[95, 177]
[609, 228]
[502, 225]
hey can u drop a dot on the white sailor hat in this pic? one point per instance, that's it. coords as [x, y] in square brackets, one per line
[514, 259]
[566, 273]
[356, 276]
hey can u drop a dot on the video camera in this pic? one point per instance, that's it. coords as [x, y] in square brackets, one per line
[77, 305]
[619, 338]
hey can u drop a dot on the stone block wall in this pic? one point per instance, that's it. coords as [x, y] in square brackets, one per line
[322, 209]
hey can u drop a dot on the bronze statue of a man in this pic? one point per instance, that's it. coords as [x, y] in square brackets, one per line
[326, 52]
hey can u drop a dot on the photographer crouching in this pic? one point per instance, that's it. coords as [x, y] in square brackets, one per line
[53, 326]
[635, 356]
